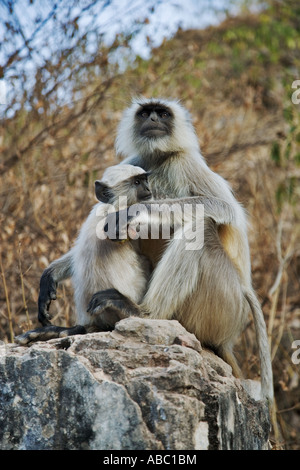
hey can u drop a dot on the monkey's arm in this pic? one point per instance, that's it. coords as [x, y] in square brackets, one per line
[158, 213]
[221, 211]
[59, 270]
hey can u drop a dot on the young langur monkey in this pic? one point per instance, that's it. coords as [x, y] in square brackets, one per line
[208, 290]
[98, 263]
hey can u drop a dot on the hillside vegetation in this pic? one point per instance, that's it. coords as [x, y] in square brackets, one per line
[236, 80]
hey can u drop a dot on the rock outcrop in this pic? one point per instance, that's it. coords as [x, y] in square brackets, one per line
[146, 385]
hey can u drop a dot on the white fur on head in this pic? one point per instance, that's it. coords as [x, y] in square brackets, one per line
[115, 174]
[183, 136]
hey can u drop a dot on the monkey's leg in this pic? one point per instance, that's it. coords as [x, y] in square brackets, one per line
[109, 306]
[57, 271]
[49, 332]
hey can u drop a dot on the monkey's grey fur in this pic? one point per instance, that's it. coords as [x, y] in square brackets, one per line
[208, 290]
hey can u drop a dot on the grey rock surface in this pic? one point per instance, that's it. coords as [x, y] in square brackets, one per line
[146, 385]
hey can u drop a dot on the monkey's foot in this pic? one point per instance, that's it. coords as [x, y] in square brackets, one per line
[110, 306]
[48, 332]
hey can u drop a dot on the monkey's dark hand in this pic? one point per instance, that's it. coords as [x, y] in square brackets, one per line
[116, 226]
[47, 293]
[134, 223]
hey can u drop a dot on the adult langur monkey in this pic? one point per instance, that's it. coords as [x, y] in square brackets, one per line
[96, 262]
[208, 290]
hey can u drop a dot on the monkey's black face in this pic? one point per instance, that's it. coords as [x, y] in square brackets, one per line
[136, 189]
[154, 120]
[142, 187]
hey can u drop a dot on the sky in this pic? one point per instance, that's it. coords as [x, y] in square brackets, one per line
[113, 16]
[108, 17]
[167, 16]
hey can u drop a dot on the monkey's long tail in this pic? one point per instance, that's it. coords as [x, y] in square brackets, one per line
[263, 346]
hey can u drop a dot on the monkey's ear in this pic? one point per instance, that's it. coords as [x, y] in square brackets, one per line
[103, 192]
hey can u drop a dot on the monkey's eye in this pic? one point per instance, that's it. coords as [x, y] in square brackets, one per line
[164, 114]
[137, 182]
[144, 114]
